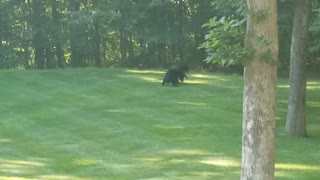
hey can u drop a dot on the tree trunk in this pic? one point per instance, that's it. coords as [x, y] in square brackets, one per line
[296, 118]
[76, 35]
[56, 35]
[26, 43]
[97, 44]
[123, 45]
[142, 53]
[259, 99]
[39, 40]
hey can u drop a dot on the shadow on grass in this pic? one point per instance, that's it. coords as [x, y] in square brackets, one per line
[204, 164]
[18, 169]
[187, 164]
[192, 164]
[155, 76]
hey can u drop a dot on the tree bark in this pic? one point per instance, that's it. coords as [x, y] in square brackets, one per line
[97, 44]
[39, 40]
[296, 118]
[259, 99]
[77, 38]
[123, 44]
[57, 34]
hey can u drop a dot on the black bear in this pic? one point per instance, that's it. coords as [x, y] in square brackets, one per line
[182, 68]
[172, 76]
[175, 73]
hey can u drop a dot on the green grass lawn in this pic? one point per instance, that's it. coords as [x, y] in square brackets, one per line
[88, 124]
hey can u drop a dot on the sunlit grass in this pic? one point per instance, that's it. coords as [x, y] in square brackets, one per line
[145, 71]
[87, 124]
[283, 86]
[313, 85]
[187, 152]
[221, 162]
[300, 167]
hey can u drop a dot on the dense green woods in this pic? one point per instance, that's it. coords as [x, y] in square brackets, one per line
[39, 34]
[53, 34]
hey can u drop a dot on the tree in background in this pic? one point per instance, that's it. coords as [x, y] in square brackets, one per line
[57, 33]
[259, 99]
[285, 16]
[40, 39]
[80, 33]
[296, 118]
[314, 45]
[11, 53]
[77, 35]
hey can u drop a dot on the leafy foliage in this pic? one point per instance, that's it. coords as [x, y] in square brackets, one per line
[314, 47]
[225, 41]
[285, 22]
[60, 33]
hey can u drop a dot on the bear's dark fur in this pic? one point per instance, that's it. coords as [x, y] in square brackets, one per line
[172, 76]
[175, 73]
[182, 68]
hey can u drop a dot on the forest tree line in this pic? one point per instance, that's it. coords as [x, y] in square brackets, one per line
[48, 34]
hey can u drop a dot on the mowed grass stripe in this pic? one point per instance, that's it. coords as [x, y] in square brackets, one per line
[122, 124]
